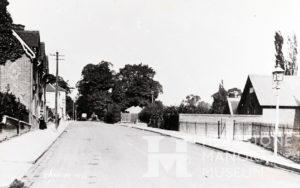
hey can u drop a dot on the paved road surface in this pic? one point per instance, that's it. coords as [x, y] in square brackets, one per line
[98, 155]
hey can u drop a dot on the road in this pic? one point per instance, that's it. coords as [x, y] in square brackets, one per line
[91, 154]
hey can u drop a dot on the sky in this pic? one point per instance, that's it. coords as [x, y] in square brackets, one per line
[191, 44]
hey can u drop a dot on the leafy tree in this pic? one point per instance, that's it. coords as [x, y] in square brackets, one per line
[69, 106]
[193, 105]
[10, 48]
[291, 64]
[171, 118]
[11, 106]
[234, 92]
[152, 110]
[220, 100]
[94, 88]
[113, 114]
[135, 85]
[278, 47]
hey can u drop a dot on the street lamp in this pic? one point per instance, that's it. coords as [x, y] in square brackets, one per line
[277, 78]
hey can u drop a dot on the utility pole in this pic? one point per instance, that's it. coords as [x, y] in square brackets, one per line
[56, 88]
[152, 97]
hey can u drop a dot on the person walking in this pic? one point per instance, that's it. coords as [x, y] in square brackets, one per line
[42, 123]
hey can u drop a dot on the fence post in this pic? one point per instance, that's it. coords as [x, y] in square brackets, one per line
[218, 129]
[243, 130]
[18, 127]
[205, 128]
[186, 127]
[252, 132]
[233, 129]
[260, 134]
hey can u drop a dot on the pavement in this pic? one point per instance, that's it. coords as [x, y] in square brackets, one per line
[20, 153]
[95, 154]
[241, 148]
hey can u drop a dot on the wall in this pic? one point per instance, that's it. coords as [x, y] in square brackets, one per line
[61, 102]
[286, 116]
[17, 76]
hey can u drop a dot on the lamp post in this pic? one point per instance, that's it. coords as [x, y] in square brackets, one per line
[277, 78]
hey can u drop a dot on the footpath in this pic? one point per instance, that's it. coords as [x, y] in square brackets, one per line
[19, 154]
[241, 148]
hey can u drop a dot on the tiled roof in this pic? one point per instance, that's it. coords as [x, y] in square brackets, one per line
[289, 90]
[31, 38]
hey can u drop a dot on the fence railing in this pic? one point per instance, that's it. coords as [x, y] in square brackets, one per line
[251, 130]
[10, 127]
[209, 129]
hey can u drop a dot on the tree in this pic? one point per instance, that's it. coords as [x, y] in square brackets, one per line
[94, 88]
[10, 48]
[152, 110]
[69, 106]
[291, 63]
[234, 92]
[278, 47]
[135, 85]
[193, 105]
[220, 100]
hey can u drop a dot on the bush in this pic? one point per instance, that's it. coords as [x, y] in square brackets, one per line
[171, 118]
[11, 106]
[154, 110]
[113, 114]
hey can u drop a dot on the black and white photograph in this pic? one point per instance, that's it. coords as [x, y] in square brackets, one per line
[149, 94]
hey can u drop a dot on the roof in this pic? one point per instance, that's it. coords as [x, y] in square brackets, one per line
[31, 38]
[233, 104]
[134, 110]
[289, 90]
[51, 88]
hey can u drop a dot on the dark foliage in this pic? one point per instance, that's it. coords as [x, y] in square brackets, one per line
[113, 114]
[134, 86]
[278, 47]
[193, 105]
[10, 105]
[171, 118]
[151, 111]
[94, 88]
[69, 106]
[10, 47]
[220, 100]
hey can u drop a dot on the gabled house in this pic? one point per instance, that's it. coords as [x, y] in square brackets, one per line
[259, 98]
[26, 77]
[61, 101]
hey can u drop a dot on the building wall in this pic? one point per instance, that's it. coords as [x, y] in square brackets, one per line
[17, 76]
[61, 103]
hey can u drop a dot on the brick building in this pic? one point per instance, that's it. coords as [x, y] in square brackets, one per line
[26, 77]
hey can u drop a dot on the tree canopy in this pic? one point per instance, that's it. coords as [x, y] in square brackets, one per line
[193, 105]
[135, 85]
[10, 48]
[94, 88]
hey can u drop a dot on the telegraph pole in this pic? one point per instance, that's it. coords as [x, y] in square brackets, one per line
[56, 88]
